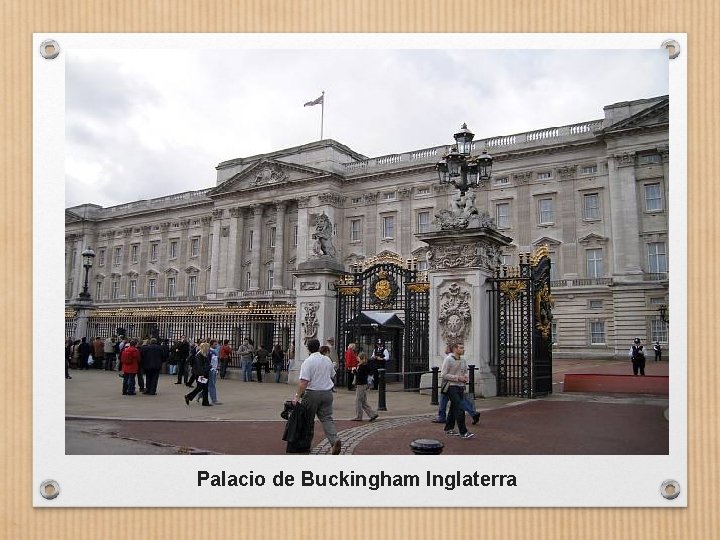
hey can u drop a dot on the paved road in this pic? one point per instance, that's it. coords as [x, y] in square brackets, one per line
[101, 421]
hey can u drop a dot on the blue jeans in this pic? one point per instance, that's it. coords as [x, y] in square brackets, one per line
[457, 410]
[466, 403]
[247, 370]
[128, 384]
[212, 390]
[277, 368]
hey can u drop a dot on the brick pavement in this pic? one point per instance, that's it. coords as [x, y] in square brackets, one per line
[248, 420]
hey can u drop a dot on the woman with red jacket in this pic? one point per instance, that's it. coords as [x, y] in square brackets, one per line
[351, 363]
[129, 365]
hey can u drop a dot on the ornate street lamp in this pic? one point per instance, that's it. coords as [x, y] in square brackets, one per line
[461, 169]
[664, 314]
[88, 257]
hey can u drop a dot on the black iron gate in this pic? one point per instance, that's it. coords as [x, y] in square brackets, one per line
[521, 323]
[386, 298]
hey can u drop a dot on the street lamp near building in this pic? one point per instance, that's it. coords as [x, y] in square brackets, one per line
[88, 257]
[460, 168]
[664, 313]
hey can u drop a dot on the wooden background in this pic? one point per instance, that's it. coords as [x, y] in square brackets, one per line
[20, 18]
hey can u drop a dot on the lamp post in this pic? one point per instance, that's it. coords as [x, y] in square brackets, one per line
[460, 168]
[88, 257]
[664, 313]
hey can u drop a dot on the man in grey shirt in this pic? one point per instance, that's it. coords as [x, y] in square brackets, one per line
[315, 390]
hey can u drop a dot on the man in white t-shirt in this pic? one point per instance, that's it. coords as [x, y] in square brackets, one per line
[315, 390]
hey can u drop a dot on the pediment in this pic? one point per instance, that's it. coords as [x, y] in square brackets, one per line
[658, 114]
[546, 240]
[264, 174]
[72, 217]
[592, 238]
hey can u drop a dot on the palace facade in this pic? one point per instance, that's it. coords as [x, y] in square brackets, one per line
[595, 193]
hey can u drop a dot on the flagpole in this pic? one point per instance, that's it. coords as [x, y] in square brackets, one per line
[322, 114]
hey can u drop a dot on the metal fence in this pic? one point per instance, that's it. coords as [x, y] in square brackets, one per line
[267, 325]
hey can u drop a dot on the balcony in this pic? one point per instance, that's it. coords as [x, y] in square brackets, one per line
[583, 282]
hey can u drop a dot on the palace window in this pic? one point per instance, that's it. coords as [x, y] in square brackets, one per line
[192, 286]
[388, 227]
[134, 253]
[553, 333]
[653, 197]
[591, 206]
[247, 280]
[154, 251]
[295, 235]
[422, 266]
[545, 175]
[502, 215]
[355, 230]
[595, 304]
[115, 290]
[117, 256]
[502, 181]
[388, 196]
[588, 169]
[74, 258]
[597, 333]
[546, 212]
[647, 159]
[270, 279]
[172, 250]
[194, 246]
[423, 191]
[251, 238]
[658, 330]
[553, 265]
[98, 290]
[273, 232]
[171, 291]
[594, 262]
[356, 200]
[423, 222]
[151, 292]
[657, 258]
[101, 257]
[132, 288]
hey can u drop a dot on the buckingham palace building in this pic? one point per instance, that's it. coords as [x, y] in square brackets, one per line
[594, 193]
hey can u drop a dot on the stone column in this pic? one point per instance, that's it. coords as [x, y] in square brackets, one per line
[370, 234]
[183, 257]
[279, 254]
[303, 230]
[204, 259]
[215, 254]
[624, 218]
[255, 260]
[461, 261]
[235, 249]
[316, 307]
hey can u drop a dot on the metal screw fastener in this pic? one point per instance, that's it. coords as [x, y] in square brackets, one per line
[49, 489]
[673, 48]
[670, 489]
[49, 49]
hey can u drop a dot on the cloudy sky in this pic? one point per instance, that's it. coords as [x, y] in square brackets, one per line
[148, 123]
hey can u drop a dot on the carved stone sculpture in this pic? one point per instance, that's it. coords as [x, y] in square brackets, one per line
[454, 315]
[323, 238]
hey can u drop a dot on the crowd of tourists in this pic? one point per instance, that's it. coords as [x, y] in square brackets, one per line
[198, 364]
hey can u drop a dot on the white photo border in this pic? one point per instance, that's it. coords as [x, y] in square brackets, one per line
[148, 480]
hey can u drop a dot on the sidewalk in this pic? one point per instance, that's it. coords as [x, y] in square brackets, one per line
[248, 421]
